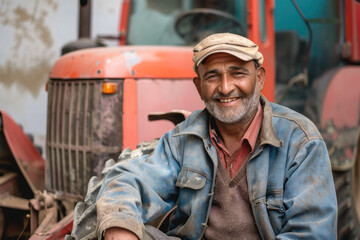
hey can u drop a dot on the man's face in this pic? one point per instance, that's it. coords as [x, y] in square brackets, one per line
[229, 87]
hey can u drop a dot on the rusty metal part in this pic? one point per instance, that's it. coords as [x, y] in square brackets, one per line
[26, 155]
[49, 220]
[43, 209]
[21, 174]
[12, 206]
[43, 200]
[9, 188]
[9, 183]
[14, 202]
[174, 116]
[57, 231]
[34, 219]
[84, 130]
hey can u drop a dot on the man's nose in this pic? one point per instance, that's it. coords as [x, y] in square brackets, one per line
[226, 85]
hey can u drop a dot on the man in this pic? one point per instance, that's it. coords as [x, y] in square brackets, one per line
[243, 168]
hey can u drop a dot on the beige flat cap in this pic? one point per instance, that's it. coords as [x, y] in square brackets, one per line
[233, 44]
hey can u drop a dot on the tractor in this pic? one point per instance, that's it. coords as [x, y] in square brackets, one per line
[99, 99]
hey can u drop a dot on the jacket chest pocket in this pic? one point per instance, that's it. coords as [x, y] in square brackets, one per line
[191, 196]
[276, 209]
[190, 179]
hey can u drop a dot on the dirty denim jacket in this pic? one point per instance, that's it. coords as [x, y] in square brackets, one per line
[289, 179]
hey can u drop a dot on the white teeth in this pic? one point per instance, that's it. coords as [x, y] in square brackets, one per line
[227, 100]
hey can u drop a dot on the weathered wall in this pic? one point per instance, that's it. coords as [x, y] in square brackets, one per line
[32, 33]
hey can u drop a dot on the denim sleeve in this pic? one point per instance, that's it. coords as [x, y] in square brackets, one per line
[139, 190]
[309, 195]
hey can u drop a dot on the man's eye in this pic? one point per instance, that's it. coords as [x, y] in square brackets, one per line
[211, 77]
[238, 73]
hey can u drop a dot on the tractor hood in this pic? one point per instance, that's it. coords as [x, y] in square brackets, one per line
[126, 62]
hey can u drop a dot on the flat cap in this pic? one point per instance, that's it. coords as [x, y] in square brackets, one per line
[233, 44]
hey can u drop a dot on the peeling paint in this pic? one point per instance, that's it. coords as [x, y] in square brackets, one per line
[131, 59]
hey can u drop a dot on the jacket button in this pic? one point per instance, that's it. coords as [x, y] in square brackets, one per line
[281, 209]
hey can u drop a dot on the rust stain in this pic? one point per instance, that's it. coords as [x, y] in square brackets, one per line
[30, 79]
[28, 26]
[31, 56]
[53, 4]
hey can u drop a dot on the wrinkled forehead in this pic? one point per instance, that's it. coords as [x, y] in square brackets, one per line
[220, 62]
[217, 60]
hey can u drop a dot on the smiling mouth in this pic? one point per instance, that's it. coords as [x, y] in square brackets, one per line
[226, 100]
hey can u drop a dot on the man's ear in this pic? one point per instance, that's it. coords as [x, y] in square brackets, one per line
[260, 74]
[197, 82]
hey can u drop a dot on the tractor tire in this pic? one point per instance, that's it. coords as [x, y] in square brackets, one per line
[348, 222]
[346, 184]
[2, 223]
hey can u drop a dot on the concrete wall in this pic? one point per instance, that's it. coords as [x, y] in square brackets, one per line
[32, 33]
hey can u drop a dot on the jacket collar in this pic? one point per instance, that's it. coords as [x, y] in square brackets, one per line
[267, 133]
[200, 126]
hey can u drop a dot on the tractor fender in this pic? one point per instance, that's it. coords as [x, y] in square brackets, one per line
[27, 157]
[334, 106]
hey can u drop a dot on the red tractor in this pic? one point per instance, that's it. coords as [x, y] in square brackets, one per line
[100, 98]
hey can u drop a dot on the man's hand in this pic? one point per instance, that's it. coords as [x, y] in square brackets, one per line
[116, 233]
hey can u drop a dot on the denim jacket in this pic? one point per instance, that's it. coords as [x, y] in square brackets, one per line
[290, 184]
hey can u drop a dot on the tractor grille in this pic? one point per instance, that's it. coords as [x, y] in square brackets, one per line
[69, 136]
[84, 129]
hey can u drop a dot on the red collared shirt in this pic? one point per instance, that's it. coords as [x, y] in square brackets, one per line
[233, 163]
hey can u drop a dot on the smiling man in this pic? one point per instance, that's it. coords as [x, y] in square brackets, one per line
[242, 168]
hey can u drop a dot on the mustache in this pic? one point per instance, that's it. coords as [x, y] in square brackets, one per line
[231, 94]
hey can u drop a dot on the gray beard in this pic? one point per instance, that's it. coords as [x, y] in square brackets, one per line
[238, 115]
